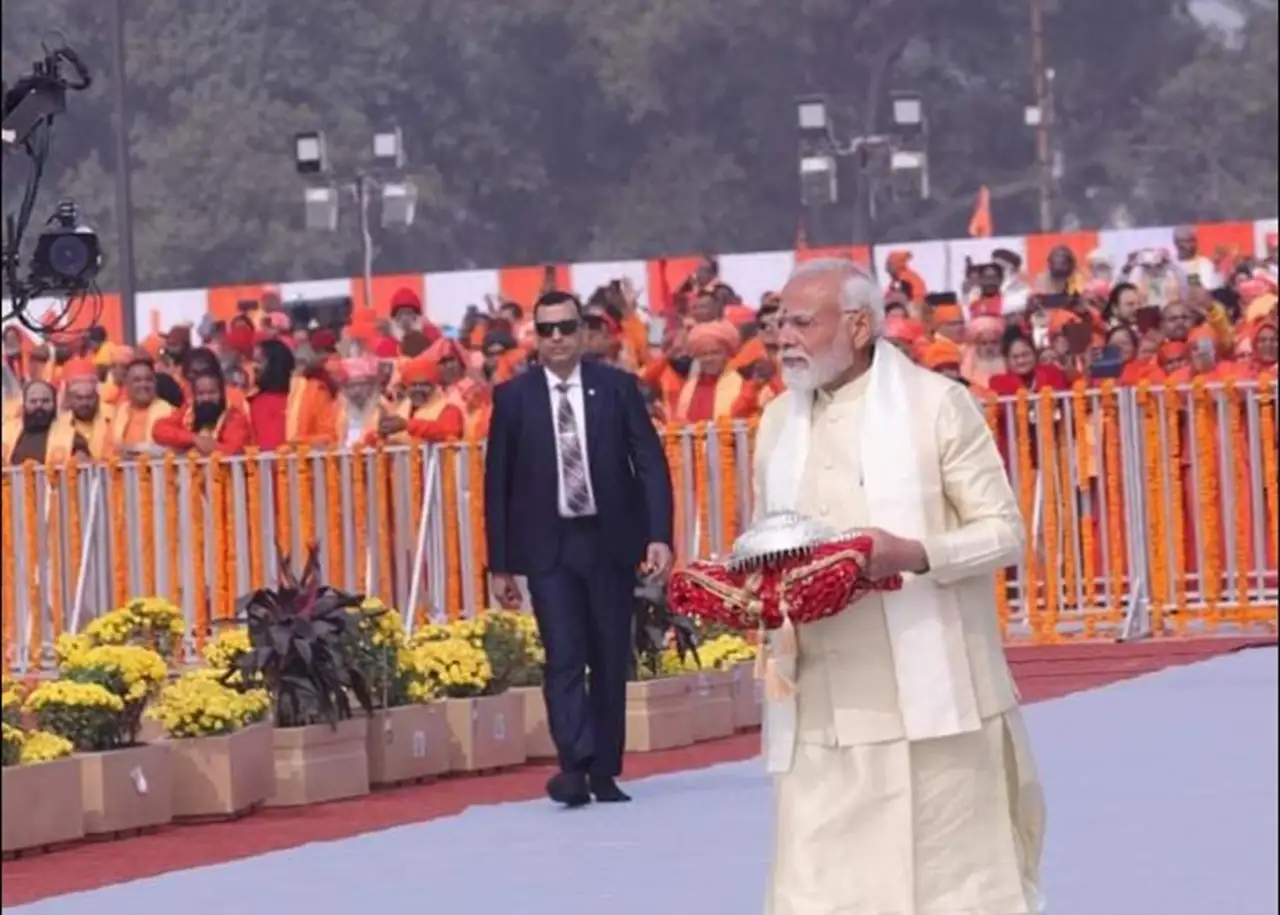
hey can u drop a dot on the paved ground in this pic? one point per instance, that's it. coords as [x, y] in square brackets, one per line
[1162, 793]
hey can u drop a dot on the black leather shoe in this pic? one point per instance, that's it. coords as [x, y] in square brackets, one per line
[568, 788]
[606, 790]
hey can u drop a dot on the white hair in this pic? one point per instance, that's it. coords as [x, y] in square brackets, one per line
[858, 289]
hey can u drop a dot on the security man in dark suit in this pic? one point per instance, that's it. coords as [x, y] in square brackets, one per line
[577, 499]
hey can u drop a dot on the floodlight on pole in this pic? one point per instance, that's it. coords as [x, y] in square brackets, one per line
[320, 206]
[388, 148]
[908, 110]
[399, 203]
[811, 117]
[818, 185]
[308, 153]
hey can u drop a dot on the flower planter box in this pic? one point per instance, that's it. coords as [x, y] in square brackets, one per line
[711, 694]
[659, 714]
[127, 789]
[406, 743]
[746, 697]
[222, 776]
[486, 732]
[42, 804]
[320, 763]
[537, 728]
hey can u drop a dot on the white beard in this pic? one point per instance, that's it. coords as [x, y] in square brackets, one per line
[818, 371]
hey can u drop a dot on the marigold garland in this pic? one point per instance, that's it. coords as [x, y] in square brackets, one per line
[147, 524]
[1153, 475]
[450, 511]
[1070, 512]
[198, 577]
[1266, 405]
[1208, 489]
[53, 516]
[306, 498]
[253, 495]
[172, 531]
[1085, 419]
[10, 582]
[701, 492]
[1112, 475]
[1176, 425]
[680, 508]
[223, 537]
[1026, 495]
[1049, 516]
[360, 516]
[384, 521]
[1243, 522]
[119, 533]
[284, 504]
[728, 453]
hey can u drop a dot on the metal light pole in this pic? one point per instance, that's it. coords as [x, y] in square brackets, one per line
[1040, 78]
[399, 197]
[124, 194]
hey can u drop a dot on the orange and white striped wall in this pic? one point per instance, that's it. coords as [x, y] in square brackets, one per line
[446, 295]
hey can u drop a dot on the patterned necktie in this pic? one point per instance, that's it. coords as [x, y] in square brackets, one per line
[573, 478]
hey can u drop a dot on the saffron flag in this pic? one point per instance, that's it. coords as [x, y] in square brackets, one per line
[980, 222]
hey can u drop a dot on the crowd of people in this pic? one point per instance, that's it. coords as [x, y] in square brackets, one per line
[263, 379]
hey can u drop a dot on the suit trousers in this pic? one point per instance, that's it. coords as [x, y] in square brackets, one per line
[583, 606]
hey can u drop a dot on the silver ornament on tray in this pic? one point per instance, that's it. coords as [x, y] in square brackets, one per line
[778, 537]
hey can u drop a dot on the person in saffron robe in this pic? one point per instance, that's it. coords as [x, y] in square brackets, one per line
[269, 403]
[208, 424]
[359, 407]
[983, 357]
[948, 322]
[1264, 349]
[988, 300]
[85, 412]
[713, 391]
[426, 414]
[136, 417]
[36, 436]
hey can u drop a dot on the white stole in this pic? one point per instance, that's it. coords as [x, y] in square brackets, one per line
[935, 686]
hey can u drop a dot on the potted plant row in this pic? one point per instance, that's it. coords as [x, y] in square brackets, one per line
[485, 717]
[40, 791]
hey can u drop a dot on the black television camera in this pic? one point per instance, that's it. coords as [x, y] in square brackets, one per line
[67, 255]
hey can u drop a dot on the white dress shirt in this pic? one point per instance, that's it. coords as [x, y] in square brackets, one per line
[577, 400]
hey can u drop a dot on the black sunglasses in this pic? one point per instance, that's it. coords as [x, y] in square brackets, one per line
[547, 329]
[595, 322]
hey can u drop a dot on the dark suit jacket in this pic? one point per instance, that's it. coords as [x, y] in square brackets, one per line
[629, 475]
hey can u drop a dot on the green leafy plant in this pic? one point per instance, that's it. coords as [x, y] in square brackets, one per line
[655, 629]
[300, 638]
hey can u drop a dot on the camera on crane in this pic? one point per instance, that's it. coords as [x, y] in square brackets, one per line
[67, 255]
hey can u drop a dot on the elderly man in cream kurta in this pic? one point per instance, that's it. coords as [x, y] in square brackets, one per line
[904, 780]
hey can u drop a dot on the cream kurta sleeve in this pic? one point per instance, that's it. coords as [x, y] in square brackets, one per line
[990, 531]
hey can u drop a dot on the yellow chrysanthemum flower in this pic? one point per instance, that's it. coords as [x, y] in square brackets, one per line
[43, 746]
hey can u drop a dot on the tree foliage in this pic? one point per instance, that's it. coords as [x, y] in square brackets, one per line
[573, 129]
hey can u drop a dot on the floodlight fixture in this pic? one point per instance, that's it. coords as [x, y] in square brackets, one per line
[399, 203]
[308, 153]
[818, 186]
[908, 110]
[388, 148]
[811, 117]
[320, 208]
[1033, 116]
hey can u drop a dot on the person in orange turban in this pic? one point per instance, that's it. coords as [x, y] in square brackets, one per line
[983, 358]
[85, 413]
[426, 414]
[713, 389]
